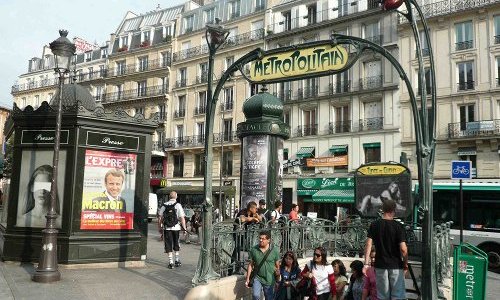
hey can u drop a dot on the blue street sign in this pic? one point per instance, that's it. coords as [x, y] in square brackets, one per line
[461, 169]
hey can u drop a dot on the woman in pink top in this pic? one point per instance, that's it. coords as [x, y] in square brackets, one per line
[294, 214]
[369, 288]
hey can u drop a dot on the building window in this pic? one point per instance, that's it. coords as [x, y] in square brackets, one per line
[464, 36]
[120, 67]
[188, 23]
[141, 88]
[372, 152]
[164, 85]
[309, 124]
[88, 56]
[228, 62]
[423, 44]
[228, 130]
[102, 70]
[162, 111]
[178, 165]
[311, 14]
[371, 32]
[286, 117]
[98, 93]
[146, 36]
[124, 41]
[203, 73]
[81, 75]
[49, 97]
[227, 163]
[37, 100]
[428, 82]
[228, 99]
[465, 76]
[182, 77]
[181, 107]
[498, 72]
[466, 115]
[209, 16]
[287, 20]
[234, 8]
[259, 5]
[199, 164]
[143, 63]
[201, 106]
[497, 29]
[254, 89]
[373, 75]
[165, 59]
[373, 116]
[104, 53]
[342, 120]
[119, 91]
[179, 134]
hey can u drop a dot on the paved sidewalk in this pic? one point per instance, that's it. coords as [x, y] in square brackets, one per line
[154, 281]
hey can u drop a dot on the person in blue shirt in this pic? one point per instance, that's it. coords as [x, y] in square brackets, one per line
[287, 277]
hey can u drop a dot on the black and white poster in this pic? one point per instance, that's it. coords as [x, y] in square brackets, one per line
[254, 169]
[373, 190]
[35, 181]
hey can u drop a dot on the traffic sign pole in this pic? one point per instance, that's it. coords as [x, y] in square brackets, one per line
[461, 213]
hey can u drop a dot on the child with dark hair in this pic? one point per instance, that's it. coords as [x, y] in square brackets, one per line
[340, 277]
[356, 284]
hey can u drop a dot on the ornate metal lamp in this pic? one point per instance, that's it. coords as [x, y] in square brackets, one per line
[47, 270]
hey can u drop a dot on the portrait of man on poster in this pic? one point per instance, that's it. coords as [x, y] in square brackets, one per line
[111, 199]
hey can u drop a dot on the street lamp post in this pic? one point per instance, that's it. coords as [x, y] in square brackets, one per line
[215, 36]
[47, 270]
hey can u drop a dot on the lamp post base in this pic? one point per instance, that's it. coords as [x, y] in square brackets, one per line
[47, 270]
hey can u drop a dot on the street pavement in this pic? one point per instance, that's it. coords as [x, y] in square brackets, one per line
[154, 281]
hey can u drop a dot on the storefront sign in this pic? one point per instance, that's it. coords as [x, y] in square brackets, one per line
[182, 183]
[43, 136]
[325, 184]
[112, 141]
[333, 161]
[388, 169]
[296, 63]
[293, 163]
[228, 183]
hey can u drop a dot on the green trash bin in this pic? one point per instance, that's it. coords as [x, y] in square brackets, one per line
[470, 267]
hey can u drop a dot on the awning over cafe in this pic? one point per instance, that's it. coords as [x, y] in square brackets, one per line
[333, 196]
[338, 149]
[305, 152]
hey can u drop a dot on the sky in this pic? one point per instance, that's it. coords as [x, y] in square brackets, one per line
[27, 25]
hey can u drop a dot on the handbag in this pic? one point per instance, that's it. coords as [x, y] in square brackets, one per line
[256, 270]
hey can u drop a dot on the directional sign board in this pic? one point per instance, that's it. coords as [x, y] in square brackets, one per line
[461, 169]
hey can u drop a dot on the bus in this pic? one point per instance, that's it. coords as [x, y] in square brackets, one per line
[481, 214]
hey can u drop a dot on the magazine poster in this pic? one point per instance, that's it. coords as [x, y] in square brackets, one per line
[35, 182]
[254, 169]
[108, 190]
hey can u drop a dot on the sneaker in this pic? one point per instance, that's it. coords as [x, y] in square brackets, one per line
[178, 263]
[170, 265]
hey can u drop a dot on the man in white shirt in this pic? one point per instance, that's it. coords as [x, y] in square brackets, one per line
[276, 214]
[172, 218]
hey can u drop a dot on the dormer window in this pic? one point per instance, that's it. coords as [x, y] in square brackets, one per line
[88, 56]
[146, 36]
[124, 41]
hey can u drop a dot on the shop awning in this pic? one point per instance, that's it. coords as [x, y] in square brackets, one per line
[371, 145]
[306, 192]
[338, 149]
[305, 152]
[333, 196]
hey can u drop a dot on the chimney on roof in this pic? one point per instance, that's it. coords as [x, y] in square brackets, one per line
[158, 7]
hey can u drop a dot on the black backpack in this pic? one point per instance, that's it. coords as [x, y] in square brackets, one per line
[170, 215]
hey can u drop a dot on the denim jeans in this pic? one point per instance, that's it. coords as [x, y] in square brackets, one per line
[258, 287]
[390, 284]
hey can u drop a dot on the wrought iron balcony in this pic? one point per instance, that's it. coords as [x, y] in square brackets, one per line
[339, 127]
[150, 65]
[464, 45]
[372, 82]
[151, 91]
[284, 95]
[227, 105]
[189, 53]
[465, 86]
[180, 83]
[157, 146]
[226, 137]
[308, 92]
[371, 124]
[180, 113]
[162, 116]
[339, 87]
[201, 79]
[200, 110]
[377, 39]
[100, 74]
[33, 85]
[474, 129]
[307, 130]
[244, 38]
[199, 140]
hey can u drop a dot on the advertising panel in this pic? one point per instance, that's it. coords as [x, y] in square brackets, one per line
[35, 181]
[376, 183]
[108, 190]
[254, 169]
[334, 161]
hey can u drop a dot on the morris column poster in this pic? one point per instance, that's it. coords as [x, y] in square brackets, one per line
[254, 169]
[108, 190]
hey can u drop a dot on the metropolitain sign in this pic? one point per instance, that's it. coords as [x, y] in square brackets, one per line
[304, 62]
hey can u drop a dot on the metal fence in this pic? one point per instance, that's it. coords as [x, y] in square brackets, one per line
[232, 240]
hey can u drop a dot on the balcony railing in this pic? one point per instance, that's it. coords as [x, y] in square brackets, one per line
[227, 105]
[465, 85]
[200, 110]
[162, 116]
[307, 130]
[322, 16]
[308, 92]
[199, 140]
[151, 91]
[244, 38]
[181, 83]
[33, 85]
[464, 45]
[339, 127]
[201, 79]
[189, 53]
[447, 7]
[371, 124]
[372, 82]
[179, 113]
[377, 39]
[157, 146]
[284, 95]
[474, 129]
[339, 87]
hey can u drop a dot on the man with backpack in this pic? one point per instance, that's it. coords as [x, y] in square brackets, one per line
[172, 218]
